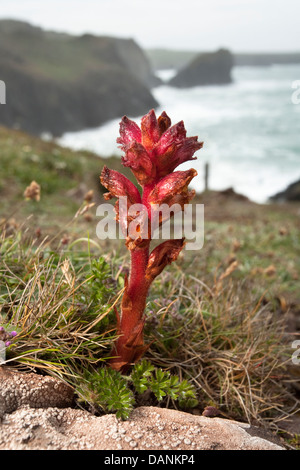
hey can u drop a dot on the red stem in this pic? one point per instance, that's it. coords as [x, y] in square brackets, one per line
[130, 345]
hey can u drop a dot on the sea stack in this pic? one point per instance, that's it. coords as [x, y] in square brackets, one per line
[205, 69]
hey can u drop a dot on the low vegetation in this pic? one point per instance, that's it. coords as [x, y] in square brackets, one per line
[220, 321]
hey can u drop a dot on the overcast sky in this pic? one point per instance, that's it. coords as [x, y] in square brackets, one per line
[241, 25]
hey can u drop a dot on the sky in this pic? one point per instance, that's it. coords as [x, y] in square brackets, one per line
[240, 25]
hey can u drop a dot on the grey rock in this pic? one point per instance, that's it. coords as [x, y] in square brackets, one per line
[205, 69]
[291, 193]
[36, 414]
[18, 389]
[148, 428]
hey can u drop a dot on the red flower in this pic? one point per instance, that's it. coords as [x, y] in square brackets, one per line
[118, 185]
[175, 148]
[155, 149]
[161, 256]
[138, 159]
[129, 132]
[173, 188]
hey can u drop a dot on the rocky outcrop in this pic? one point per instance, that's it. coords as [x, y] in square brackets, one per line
[291, 193]
[36, 414]
[58, 82]
[148, 428]
[206, 69]
[36, 391]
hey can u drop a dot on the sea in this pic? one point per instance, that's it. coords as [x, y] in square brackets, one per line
[250, 129]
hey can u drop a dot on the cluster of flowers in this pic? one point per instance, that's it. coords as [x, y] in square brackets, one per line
[6, 336]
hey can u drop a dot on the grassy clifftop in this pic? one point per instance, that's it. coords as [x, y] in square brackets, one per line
[223, 317]
[65, 176]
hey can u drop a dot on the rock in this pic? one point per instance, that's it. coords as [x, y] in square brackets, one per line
[291, 193]
[18, 389]
[231, 194]
[149, 428]
[35, 413]
[70, 82]
[205, 69]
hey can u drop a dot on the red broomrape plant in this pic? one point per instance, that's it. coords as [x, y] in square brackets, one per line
[152, 152]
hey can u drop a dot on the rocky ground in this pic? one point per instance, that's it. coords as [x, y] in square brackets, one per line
[36, 415]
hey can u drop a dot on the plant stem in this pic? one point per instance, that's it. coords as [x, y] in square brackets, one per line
[130, 345]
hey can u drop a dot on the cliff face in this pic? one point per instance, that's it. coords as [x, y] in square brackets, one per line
[291, 193]
[206, 69]
[57, 82]
[135, 60]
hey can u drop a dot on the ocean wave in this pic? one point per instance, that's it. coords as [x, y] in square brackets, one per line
[250, 129]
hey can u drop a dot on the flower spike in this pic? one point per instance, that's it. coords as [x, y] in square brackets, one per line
[152, 152]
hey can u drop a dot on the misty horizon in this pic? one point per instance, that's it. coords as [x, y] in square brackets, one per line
[156, 48]
[264, 26]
